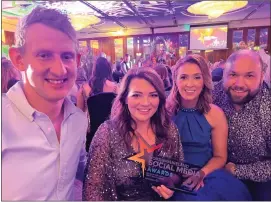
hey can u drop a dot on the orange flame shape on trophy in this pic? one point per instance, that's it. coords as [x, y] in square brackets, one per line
[143, 155]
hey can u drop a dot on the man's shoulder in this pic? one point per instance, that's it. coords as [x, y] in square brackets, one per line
[79, 113]
[218, 94]
[266, 91]
[13, 117]
[5, 98]
[6, 104]
[218, 87]
[76, 112]
[266, 98]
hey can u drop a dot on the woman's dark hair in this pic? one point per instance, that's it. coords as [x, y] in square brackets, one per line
[120, 114]
[102, 71]
[163, 72]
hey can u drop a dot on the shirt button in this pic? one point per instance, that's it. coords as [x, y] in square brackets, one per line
[233, 153]
[233, 128]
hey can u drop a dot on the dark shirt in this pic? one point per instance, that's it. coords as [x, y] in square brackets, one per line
[249, 141]
[117, 75]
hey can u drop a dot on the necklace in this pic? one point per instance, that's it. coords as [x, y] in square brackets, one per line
[189, 109]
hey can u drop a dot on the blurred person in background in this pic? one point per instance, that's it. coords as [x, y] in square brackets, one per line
[126, 64]
[101, 81]
[117, 73]
[163, 73]
[9, 75]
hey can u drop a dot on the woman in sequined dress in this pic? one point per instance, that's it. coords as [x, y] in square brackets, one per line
[138, 118]
[204, 131]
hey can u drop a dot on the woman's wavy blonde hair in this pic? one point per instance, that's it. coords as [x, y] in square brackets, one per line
[205, 99]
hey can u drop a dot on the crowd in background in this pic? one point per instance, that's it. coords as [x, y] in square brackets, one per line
[215, 117]
[116, 71]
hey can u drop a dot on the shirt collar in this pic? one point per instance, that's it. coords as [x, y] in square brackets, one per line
[17, 97]
[69, 108]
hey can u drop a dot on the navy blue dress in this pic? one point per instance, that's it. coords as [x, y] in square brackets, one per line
[195, 132]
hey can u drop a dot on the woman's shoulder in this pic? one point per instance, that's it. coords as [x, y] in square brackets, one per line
[215, 115]
[108, 125]
[110, 83]
[214, 109]
[111, 86]
[173, 129]
[111, 126]
[106, 130]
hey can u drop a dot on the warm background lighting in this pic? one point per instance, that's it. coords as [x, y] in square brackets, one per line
[82, 21]
[215, 9]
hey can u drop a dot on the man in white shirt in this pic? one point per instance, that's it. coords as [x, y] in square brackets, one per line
[43, 134]
[126, 64]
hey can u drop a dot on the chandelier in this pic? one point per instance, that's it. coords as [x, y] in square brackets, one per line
[82, 21]
[215, 9]
[80, 15]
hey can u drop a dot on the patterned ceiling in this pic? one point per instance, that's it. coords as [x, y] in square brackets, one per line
[130, 14]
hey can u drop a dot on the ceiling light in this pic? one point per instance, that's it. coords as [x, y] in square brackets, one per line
[215, 9]
[120, 32]
[82, 21]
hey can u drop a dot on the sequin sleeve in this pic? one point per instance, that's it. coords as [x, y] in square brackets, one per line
[258, 171]
[99, 180]
[177, 141]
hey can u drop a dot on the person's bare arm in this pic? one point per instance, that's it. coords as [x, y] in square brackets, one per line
[85, 89]
[218, 121]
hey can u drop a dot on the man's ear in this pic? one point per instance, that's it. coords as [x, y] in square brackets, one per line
[78, 59]
[16, 58]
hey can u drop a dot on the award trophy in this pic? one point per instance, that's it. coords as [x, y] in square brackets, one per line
[170, 173]
[163, 171]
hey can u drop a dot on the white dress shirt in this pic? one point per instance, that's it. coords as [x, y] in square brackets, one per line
[35, 166]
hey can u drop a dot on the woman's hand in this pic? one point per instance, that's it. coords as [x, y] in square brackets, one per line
[163, 191]
[195, 182]
[230, 167]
